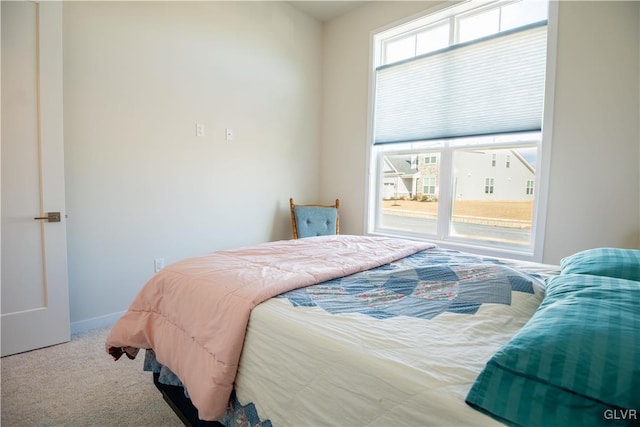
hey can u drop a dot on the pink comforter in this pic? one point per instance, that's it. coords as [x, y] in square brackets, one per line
[194, 313]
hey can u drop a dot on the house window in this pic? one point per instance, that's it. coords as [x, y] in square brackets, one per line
[529, 188]
[429, 186]
[460, 124]
[414, 162]
[488, 185]
[430, 159]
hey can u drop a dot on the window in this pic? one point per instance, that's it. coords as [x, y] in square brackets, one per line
[482, 22]
[414, 162]
[460, 125]
[430, 159]
[488, 185]
[529, 189]
[429, 186]
[478, 24]
[425, 40]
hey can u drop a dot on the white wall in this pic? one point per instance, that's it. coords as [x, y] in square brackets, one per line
[140, 184]
[593, 194]
[345, 104]
[594, 178]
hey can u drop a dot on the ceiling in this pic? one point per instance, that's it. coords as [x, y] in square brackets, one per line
[326, 10]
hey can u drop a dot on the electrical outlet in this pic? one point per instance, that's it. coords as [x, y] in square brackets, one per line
[199, 129]
[158, 264]
[229, 135]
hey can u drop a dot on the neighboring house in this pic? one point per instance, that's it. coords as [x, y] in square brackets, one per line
[493, 175]
[400, 176]
[479, 175]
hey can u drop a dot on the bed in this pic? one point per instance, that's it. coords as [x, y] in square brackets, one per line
[355, 330]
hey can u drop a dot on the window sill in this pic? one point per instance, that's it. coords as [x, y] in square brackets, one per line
[477, 249]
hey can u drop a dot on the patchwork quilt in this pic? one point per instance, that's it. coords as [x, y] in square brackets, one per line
[422, 285]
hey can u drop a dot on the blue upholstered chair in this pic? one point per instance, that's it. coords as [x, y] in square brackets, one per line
[314, 220]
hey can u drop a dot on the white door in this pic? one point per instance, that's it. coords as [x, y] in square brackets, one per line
[34, 297]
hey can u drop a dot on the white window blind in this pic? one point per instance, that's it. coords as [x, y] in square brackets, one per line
[489, 86]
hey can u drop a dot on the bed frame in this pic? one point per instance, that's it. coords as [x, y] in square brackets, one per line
[181, 405]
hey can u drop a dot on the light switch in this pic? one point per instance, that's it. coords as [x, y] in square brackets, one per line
[229, 134]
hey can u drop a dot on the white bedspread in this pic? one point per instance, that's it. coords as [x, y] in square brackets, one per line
[303, 366]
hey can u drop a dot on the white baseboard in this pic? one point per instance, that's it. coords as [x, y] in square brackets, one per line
[94, 323]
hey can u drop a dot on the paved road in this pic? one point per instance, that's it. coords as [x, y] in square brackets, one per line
[422, 225]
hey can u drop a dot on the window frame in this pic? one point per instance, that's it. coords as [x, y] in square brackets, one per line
[446, 150]
[541, 183]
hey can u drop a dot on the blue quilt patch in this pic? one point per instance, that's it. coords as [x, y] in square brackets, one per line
[242, 415]
[422, 285]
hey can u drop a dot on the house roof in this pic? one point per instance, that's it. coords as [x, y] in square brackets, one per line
[401, 164]
[525, 161]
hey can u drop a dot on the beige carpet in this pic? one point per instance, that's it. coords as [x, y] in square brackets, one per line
[79, 384]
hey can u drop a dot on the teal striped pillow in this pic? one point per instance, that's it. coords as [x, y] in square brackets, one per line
[575, 363]
[611, 262]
